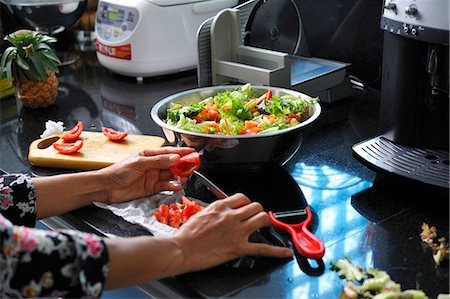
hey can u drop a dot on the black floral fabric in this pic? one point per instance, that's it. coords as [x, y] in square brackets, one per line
[40, 263]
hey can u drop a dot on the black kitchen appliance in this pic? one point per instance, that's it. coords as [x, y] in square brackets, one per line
[414, 114]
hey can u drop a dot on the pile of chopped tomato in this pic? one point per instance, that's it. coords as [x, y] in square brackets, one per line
[176, 213]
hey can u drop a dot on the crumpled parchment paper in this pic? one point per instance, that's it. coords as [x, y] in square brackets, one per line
[140, 211]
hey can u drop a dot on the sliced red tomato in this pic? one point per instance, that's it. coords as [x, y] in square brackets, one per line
[113, 134]
[187, 165]
[162, 215]
[251, 127]
[213, 114]
[293, 115]
[68, 147]
[73, 133]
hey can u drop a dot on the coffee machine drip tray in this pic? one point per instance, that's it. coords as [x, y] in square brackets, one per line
[430, 167]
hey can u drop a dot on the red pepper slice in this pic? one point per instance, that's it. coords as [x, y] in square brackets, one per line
[269, 95]
[187, 165]
[73, 133]
[68, 148]
[113, 134]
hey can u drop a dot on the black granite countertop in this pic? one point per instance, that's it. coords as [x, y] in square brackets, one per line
[373, 220]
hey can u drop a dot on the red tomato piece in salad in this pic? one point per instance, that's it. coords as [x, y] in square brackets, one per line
[187, 165]
[69, 147]
[213, 114]
[73, 133]
[113, 134]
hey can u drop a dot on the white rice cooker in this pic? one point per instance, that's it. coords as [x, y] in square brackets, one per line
[141, 38]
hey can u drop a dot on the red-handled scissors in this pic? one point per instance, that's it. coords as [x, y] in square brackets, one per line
[306, 243]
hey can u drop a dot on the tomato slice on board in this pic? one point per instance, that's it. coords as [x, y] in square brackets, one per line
[113, 134]
[69, 147]
[187, 165]
[73, 133]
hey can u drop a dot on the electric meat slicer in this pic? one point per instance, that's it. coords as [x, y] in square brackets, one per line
[262, 42]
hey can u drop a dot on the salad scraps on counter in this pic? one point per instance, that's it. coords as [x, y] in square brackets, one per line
[371, 283]
[177, 213]
[439, 246]
[241, 112]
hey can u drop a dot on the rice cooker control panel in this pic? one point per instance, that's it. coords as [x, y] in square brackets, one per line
[115, 22]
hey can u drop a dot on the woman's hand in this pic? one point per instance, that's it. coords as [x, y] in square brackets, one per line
[147, 173]
[217, 234]
[221, 232]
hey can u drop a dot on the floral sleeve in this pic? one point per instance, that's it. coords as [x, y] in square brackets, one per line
[17, 199]
[39, 263]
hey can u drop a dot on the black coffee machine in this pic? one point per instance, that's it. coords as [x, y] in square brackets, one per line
[414, 114]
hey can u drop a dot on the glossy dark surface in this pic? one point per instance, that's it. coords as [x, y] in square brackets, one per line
[374, 221]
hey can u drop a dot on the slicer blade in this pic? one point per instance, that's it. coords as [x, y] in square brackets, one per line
[292, 213]
[274, 25]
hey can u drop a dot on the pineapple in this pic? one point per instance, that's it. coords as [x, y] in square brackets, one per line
[31, 66]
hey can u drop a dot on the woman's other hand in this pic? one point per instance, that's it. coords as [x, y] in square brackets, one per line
[147, 173]
[221, 232]
[217, 234]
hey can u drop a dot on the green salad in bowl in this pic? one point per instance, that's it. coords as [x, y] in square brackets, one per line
[241, 111]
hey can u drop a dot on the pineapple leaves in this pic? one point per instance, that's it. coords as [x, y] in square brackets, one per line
[43, 46]
[39, 65]
[30, 56]
[50, 55]
[9, 71]
[47, 39]
[8, 51]
[22, 63]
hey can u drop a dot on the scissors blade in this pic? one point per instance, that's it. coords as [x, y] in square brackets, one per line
[210, 185]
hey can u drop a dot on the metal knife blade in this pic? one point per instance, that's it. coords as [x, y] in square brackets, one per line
[210, 185]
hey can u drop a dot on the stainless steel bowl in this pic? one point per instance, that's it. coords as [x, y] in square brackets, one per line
[278, 146]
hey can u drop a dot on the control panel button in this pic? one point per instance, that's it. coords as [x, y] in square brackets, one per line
[108, 32]
[116, 32]
[391, 6]
[405, 29]
[413, 31]
[411, 10]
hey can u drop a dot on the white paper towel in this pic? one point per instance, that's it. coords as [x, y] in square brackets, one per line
[140, 211]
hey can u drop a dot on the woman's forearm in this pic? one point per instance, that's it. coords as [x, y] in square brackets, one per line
[139, 259]
[62, 193]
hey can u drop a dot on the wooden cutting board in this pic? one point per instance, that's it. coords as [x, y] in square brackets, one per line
[97, 151]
